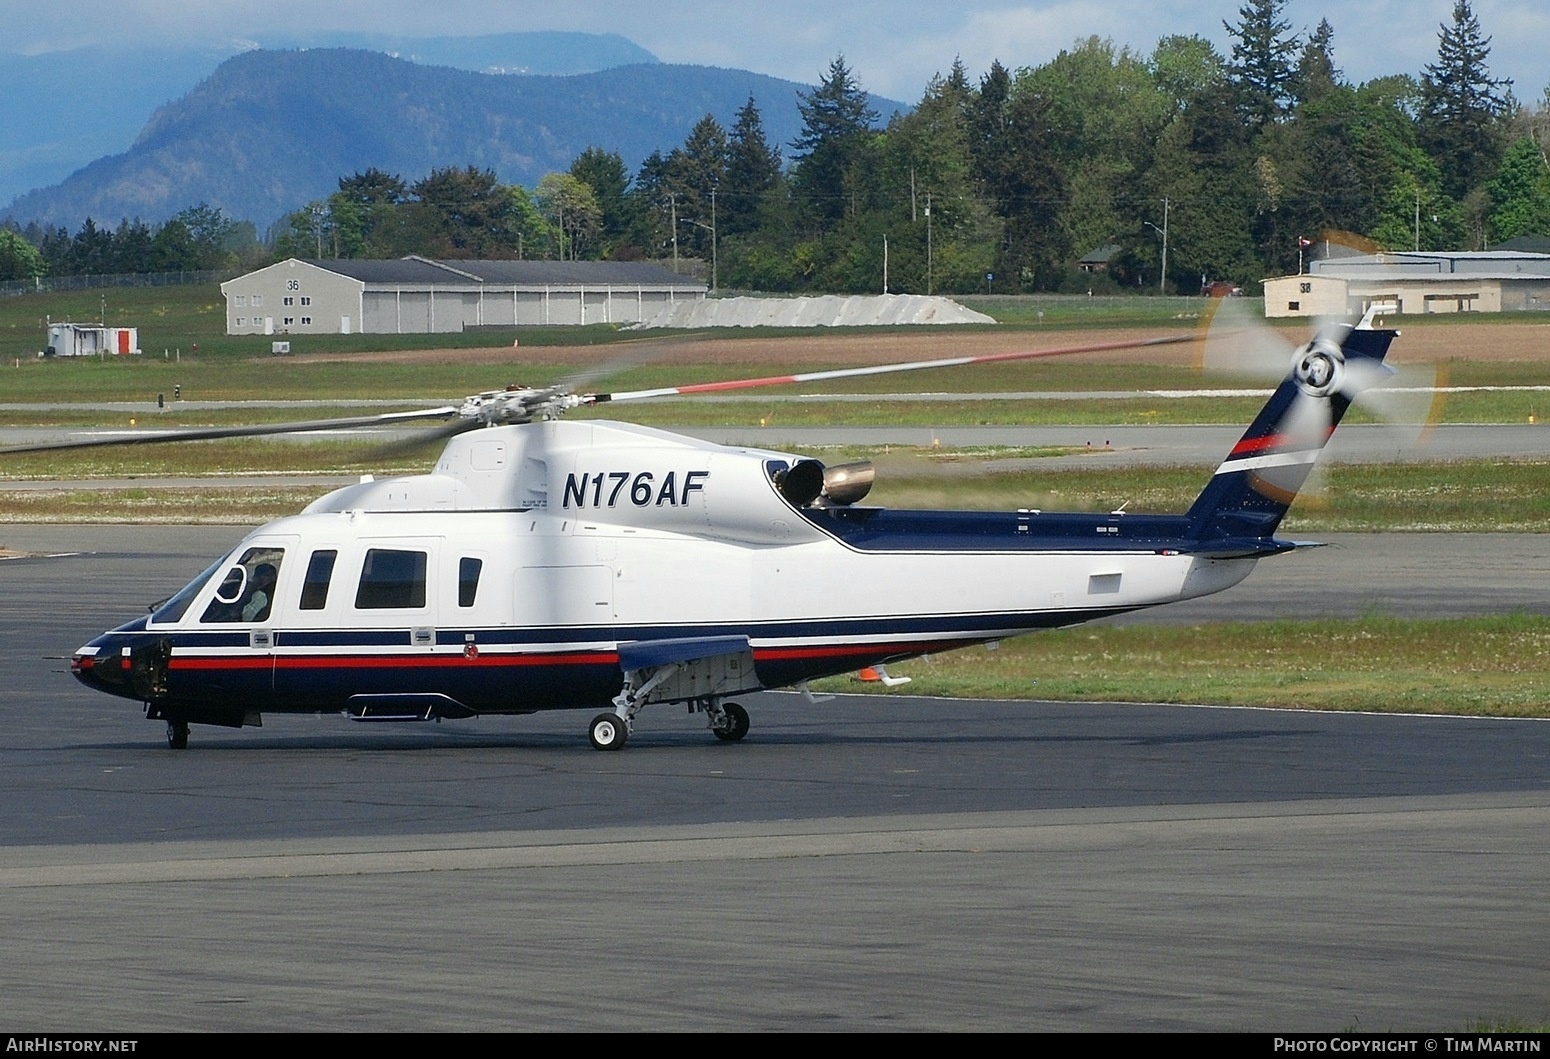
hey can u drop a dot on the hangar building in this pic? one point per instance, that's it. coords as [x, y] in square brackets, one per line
[417, 295]
[1489, 281]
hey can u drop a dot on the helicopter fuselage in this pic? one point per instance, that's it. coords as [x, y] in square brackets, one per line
[520, 574]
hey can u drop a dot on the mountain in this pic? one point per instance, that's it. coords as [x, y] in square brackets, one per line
[84, 103]
[271, 130]
[538, 52]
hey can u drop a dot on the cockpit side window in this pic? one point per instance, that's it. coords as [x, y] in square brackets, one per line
[320, 570]
[246, 592]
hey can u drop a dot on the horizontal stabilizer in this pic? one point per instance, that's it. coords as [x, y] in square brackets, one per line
[1245, 547]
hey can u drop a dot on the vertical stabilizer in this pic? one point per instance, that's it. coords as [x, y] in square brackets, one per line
[1252, 489]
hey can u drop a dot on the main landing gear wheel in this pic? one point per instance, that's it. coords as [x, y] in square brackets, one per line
[177, 735]
[608, 732]
[736, 725]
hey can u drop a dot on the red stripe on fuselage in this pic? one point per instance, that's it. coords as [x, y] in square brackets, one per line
[206, 663]
[389, 661]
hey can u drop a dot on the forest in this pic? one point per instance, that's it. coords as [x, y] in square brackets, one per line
[1165, 171]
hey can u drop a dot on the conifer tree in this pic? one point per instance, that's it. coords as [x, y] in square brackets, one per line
[1461, 104]
[753, 172]
[1261, 68]
[835, 116]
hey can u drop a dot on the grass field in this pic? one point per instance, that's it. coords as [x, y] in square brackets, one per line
[1497, 666]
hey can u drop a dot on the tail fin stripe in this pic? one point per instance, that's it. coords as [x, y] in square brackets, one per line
[1275, 441]
[1275, 459]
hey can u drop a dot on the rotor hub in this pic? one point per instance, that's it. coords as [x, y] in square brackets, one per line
[1319, 368]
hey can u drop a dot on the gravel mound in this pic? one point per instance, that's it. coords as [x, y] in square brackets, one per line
[830, 310]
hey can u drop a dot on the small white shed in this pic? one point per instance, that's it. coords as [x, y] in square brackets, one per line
[91, 340]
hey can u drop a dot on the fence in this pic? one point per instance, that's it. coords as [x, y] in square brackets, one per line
[45, 284]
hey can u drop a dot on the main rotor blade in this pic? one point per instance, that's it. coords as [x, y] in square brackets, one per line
[880, 369]
[210, 433]
[414, 442]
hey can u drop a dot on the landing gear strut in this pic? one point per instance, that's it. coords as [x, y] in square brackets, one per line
[177, 735]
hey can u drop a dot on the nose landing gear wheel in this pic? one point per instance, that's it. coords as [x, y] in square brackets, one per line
[736, 725]
[608, 732]
[177, 735]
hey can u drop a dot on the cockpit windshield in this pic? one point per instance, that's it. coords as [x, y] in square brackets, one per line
[171, 610]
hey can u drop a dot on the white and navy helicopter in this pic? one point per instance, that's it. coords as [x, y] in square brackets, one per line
[548, 564]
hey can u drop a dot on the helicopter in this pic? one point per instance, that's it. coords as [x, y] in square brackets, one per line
[549, 564]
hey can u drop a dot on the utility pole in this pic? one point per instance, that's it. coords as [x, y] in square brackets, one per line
[928, 242]
[885, 262]
[1162, 279]
[672, 202]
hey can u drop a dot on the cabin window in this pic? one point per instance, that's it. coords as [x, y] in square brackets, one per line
[391, 580]
[320, 570]
[246, 592]
[468, 580]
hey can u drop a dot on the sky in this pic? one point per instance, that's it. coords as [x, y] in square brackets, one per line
[892, 46]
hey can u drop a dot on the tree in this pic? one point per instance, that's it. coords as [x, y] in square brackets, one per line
[311, 231]
[604, 172]
[1029, 189]
[373, 188]
[19, 259]
[1461, 104]
[1185, 67]
[1520, 193]
[1316, 75]
[570, 205]
[694, 175]
[91, 251]
[1261, 67]
[1106, 114]
[473, 211]
[835, 117]
[173, 249]
[362, 212]
[1204, 166]
[534, 234]
[200, 238]
[752, 173]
